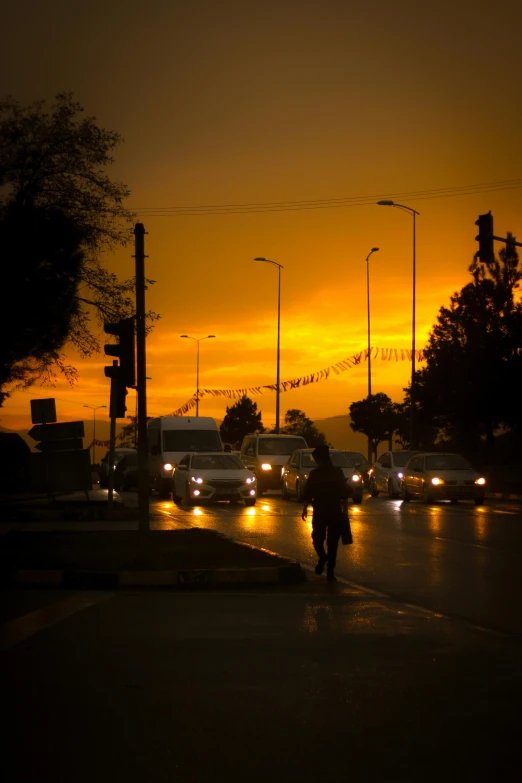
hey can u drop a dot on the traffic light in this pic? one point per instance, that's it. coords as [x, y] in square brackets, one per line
[485, 238]
[117, 406]
[124, 350]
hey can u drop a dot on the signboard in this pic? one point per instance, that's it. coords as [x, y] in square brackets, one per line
[57, 432]
[43, 411]
[71, 444]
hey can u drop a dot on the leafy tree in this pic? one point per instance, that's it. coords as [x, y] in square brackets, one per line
[425, 431]
[298, 423]
[129, 434]
[375, 417]
[56, 162]
[470, 385]
[41, 267]
[240, 419]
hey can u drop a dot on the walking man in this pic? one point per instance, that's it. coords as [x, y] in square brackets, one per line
[327, 491]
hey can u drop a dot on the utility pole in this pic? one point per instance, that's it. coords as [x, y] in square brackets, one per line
[112, 437]
[143, 451]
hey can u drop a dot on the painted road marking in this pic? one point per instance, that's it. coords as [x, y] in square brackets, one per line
[16, 631]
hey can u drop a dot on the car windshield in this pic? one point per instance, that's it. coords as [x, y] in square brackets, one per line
[357, 458]
[447, 462]
[280, 445]
[338, 458]
[401, 458]
[217, 462]
[191, 440]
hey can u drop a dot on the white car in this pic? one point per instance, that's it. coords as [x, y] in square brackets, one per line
[438, 476]
[297, 469]
[213, 476]
[386, 474]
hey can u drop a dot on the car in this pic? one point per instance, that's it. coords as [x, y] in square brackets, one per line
[213, 476]
[387, 472]
[265, 456]
[126, 472]
[362, 465]
[436, 476]
[301, 462]
[103, 470]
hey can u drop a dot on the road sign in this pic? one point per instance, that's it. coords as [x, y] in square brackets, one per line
[43, 411]
[57, 432]
[70, 444]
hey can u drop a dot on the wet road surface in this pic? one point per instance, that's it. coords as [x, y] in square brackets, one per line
[459, 560]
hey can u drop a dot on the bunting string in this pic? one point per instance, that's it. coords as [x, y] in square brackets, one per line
[386, 355]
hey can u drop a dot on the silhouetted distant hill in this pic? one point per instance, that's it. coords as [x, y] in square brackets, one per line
[336, 428]
[339, 433]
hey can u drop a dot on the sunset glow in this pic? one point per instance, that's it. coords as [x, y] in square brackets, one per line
[292, 102]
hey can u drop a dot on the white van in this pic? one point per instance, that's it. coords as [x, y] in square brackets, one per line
[170, 438]
[265, 456]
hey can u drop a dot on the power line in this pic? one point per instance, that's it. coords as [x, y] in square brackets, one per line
[333, 203]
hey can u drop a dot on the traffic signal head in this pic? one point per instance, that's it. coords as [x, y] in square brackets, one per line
[124, 350]
[117, 407]
[485, 238]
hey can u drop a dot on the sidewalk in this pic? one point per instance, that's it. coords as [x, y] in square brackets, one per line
[312, 683]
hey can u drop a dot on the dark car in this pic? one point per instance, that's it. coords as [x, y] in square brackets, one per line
[126, 472]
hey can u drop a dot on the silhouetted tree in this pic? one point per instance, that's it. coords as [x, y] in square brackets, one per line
[375, 417]
[298, 423]
[129, 434]
[471, 383]
[41, 268]
[425, 431]
[56, 161]
[240, 419]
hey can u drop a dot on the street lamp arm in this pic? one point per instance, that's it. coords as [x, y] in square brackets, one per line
[388, 203]
[267, 261]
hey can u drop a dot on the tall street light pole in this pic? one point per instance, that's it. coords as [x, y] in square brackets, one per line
[197, 340]
[278, 363]
[413, 213]
[94, 409]
[373, 250]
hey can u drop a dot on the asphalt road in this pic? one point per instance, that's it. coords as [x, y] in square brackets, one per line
[459, 560]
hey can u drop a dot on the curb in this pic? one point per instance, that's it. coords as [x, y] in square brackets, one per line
[191, 580]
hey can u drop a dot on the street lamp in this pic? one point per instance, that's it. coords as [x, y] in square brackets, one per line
[94, 409]
[279, 267]
[414, 213]
[373, 250]
[197, 340]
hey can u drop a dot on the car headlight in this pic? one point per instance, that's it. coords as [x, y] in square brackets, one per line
[437, 481]
[197, 480]
[167, 466]
[480, 480]
[266, 466]
[250, 480]
[355, 477]
[400, 475]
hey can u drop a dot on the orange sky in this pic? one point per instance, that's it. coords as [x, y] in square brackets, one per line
[240, 102]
